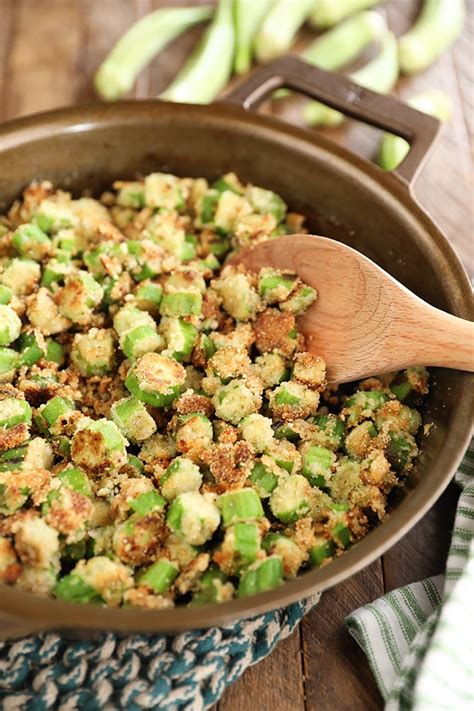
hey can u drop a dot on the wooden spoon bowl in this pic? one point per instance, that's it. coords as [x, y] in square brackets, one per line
[363, 322]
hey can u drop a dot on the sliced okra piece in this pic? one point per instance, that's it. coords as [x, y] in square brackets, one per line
[274, 286]
[180, 337]
[76, 479]
[140, 340]
[266, 202]
[32, 347]
[239, 548]
[49, 413]
[291, 554]
[261, 576]
[159, 576]
[180, 477]
[363, 404]
[93, 353]
[181, 303]
[263, 480]
[193, 516]
[331, 431]
[291, 499]
[30, 241]
[147, 502]
[10, 325]
[213, 585]
[401, 450]
[72, 588]
[55, 272]
[358, 440]
[155, 379]
[322, 551]
[54, 351]
[148, 296]
[14, 411]
[133, 419]
[9, 363]
[130, 194]
[317, 465]
[240, 506]
[6, 294]
[78, 297]
[98, 445]
[129, 317]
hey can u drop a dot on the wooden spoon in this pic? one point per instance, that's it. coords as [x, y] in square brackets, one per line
[363, 322]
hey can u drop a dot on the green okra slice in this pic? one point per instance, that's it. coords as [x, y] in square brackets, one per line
[291, 499]
[133, 419]
[180, 477]
[159, 576]
[14, 411]
[261, 576]
[10, 325]
[155, 379]
[193, 516]
[317, 465]
[240, 506]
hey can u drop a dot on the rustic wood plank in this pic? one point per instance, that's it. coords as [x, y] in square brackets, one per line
[336, 672]
[42, 62]
[6, 15]
[464, 66]
[274, 683]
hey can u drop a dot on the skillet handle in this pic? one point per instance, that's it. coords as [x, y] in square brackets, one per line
[339, 92]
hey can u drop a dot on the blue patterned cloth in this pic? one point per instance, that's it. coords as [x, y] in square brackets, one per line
[188, 672]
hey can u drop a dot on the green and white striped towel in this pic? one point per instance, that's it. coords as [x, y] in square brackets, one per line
[419, 639]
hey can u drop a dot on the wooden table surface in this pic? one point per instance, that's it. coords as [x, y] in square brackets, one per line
[49, 50]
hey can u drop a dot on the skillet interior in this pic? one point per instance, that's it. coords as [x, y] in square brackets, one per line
[344, 197]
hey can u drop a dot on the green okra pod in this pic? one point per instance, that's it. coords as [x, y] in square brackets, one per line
[328, 13]
[209, 67]
[279, 28]
[393, 149]
[140, 44]
[248, 17]
[439, 23]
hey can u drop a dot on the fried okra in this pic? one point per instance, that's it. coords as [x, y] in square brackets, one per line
[165, 435]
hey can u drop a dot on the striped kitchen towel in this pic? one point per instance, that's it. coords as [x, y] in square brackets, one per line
[419, 639]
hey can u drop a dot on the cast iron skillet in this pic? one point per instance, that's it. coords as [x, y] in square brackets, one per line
[344, 196]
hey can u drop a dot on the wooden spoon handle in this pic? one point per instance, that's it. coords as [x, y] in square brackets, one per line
[441, 339]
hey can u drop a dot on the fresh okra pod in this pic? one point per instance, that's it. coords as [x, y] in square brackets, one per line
[328, 13]
[279, 28]
[393, 149]
[249, 15]
[378, 75]
[341, 45]
[208, 69]
[439, 23]
[140, 44]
